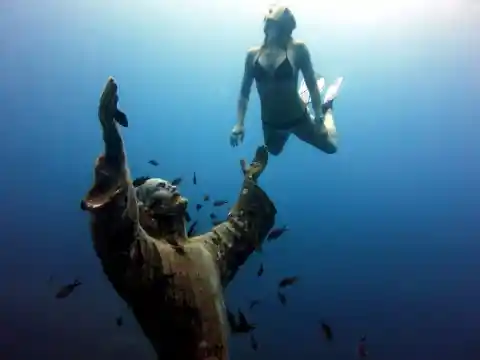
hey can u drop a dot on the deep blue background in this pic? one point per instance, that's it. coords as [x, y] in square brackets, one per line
[385, 234]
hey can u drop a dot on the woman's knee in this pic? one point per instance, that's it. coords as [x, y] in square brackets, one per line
[328, 146]
[274, 149]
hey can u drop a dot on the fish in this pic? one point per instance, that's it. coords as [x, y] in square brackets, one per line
[194, 178]
[191, 229]
[198, 206]
[140, 180]
[66, 290]
[177, 181]
[287, 281]
[213, 216]
[188, 218]
[119, 321]
[260, 270]
[153, 162]
[220, 202]
[243, 326]
[253, 342]
[282, 298]
[327, 331]
[206, 197]
[253, 303]
[232, 321]
[277, 232]
[216, 222]
[362, 352]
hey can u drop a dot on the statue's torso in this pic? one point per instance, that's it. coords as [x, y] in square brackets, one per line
[176, 297]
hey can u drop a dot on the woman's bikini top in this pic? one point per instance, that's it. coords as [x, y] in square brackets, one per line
[284, 71]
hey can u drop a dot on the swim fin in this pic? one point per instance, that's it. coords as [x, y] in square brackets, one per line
[303, 90]
[332, 90]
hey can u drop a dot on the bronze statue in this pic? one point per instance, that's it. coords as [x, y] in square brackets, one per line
[172, 283]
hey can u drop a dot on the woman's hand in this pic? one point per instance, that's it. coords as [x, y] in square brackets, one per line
[237, 135]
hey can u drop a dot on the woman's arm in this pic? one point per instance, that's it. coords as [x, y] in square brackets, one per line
[246, 86]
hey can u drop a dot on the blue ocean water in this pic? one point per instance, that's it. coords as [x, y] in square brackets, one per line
[384, 234]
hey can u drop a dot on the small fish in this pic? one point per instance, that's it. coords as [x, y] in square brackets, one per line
[282, 298]
[66, 290]
[140, 180]
[194, 178]
[253, 342]
[362, 348]
[277, 232]
[220, 202]
[119, 321]
[327, 331]
[232, 321]
[287, 281]
[216, 222]
[243, 326]
[260, 270]
[253, 303]
[153, 162]
[188, 218]
[198, 206]
[192, 228]
[177, 181]
[213, 216]
[206, 197]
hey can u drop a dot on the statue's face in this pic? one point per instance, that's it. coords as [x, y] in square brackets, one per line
[161, 198]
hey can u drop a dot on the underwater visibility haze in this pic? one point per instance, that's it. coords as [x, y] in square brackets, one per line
[383, 235]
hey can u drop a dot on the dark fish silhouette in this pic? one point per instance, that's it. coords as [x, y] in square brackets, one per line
[177, 181]
[140, 180]
[253, 303]
[188, 217]
[287, 281]
[239, 324]
[243, 326]
[220, 202]
[362, 352]
[198, 206]
[119, 321]
[66, 290]
[194, 178]
[253, 342]
[153, 162]
[327, 331]
[232, 321]
[121, 118]
[260, 270]
[206, 197]
[213, 216]
[277, 232]
[282, 298]
[216, 222]
[192, 228]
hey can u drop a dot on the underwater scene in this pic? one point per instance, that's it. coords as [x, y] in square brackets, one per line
[241, 179]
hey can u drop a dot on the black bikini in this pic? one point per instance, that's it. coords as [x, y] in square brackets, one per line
[283, 72]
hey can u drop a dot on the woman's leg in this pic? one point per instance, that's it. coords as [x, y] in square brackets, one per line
[321, 135]
[274, 140]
